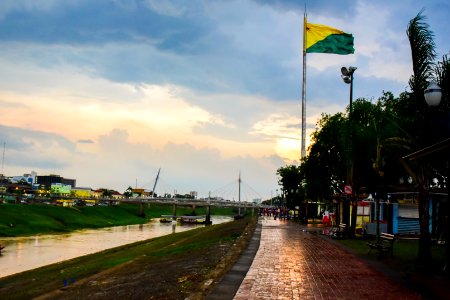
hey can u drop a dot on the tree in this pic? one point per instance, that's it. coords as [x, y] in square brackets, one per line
[290, 179]
[106, 193]
[324, 168]
[23, 182]
[128, 192]
[423, 55]
[417, 118]
[375, 127]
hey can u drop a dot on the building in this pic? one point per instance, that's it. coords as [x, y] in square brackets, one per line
[60, 189]
[82, 192]
[48, 180]
[28, 178]
[138, 192]
[257, 201]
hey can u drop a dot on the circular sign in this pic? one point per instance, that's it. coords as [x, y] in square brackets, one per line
[348, 189]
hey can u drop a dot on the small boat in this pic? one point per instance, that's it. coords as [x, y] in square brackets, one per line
[1, 248]
[238, 217]
[167, 218]
[194, 220]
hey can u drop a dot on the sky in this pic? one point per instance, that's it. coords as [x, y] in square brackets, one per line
[108, 92]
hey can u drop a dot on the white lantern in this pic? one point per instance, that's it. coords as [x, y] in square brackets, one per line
[433, 94]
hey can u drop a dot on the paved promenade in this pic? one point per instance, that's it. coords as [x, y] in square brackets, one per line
[293, 263]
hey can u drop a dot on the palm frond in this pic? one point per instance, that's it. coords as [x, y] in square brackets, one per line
[422, 51]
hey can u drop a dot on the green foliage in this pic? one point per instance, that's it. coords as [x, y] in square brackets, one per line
[128, 193]
[405, 254]
[370, 153]
[290, 179]
[423, 54]
[324, 169]
[443, 78]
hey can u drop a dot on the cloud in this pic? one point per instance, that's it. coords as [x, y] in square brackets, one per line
[35, 149]
[166, 7]
[85, 141]
[109, 91]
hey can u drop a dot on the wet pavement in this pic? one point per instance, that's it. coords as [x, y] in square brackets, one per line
[294, 262]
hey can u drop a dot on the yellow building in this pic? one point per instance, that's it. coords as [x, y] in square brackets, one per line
[82, 192]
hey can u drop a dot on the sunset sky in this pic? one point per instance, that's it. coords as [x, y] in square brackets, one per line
[108, 91]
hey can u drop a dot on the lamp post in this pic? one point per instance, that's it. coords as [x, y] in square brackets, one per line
[347, 76]
[433, 96]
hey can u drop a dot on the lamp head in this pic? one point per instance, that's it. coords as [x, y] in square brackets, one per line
[347, 79]
[433, 94]
[347, 74]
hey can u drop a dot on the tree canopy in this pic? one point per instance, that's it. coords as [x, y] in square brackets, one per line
[378, 137]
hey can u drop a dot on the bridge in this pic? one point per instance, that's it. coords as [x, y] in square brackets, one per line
[182, 202]
[236, 189]
[187, 202]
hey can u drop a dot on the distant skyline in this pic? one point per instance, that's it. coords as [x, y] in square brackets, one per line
[109, 91]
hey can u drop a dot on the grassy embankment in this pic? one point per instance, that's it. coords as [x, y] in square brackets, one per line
[23, 220]
[405, 254]
[428, 279]
[140, 256]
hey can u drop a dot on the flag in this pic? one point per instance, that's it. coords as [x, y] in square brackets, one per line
[325, 39]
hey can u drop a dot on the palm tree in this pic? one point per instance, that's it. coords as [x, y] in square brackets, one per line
[129, 192]
[106, 193]
[423, 56]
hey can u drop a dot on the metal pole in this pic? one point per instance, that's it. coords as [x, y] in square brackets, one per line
[350, 137]
[304, 89]
[351, 130]
[239, 212]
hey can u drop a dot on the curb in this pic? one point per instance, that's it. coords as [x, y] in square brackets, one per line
[229, 285]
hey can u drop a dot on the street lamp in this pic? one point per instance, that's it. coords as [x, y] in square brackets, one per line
[347, 76]
[433, 95]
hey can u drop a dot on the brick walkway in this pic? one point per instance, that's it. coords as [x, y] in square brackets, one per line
[294, 264]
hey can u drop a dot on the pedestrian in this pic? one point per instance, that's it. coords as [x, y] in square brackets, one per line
[326, 218]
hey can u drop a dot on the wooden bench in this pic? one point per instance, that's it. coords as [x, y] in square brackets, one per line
[384, 245]
[339, 232]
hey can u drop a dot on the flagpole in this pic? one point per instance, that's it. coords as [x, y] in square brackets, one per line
[304, 89]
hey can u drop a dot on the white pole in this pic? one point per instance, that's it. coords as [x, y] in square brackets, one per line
[303, 154]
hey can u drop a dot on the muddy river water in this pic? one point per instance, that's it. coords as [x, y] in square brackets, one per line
[26, 253]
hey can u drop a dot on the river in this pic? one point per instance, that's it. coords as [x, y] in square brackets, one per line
[27, 253]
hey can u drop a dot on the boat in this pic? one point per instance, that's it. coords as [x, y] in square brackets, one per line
[167, 218]
[238, 217]
[1, 248]
[194, 220]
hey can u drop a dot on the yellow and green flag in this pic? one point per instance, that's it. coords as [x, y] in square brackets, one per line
[325, 39]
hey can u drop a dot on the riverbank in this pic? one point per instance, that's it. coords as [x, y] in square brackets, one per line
[26, 220]
[178, 266]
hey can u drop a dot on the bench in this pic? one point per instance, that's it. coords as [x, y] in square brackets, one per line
[339, 232]
[384, 245]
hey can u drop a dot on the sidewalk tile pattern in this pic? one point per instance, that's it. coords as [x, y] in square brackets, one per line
[292, 263]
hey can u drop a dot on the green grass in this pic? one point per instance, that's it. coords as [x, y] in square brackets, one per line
[43, 219]
[29, 284]
[405, 254]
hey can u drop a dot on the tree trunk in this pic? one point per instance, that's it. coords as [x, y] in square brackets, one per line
[447, 225]
[424, 255]
[141, 210]
[354, 216]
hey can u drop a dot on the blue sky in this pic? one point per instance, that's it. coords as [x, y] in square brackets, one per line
[108, 91]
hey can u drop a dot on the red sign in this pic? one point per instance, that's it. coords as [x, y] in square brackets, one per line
[348, 189]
